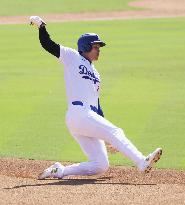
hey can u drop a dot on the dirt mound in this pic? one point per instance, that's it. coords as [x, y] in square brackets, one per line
[119, 185]
[24, 168]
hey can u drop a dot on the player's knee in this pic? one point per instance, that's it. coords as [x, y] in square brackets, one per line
[118, 133]
[102, 166]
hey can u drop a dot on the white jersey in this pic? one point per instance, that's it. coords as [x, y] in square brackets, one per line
[81, 78]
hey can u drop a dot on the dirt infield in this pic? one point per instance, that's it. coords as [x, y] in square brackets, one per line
[120, 185]
[151, 9]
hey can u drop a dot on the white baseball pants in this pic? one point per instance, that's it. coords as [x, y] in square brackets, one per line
[91, 130]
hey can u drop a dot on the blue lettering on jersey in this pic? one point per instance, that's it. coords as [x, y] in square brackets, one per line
[88, 74]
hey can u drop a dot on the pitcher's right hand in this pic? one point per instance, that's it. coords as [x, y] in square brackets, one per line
[37, 21]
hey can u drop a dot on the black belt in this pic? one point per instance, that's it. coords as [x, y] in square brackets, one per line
[93, 108]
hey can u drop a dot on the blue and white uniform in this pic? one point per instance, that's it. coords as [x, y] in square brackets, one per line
[81, 78]
[84, 117]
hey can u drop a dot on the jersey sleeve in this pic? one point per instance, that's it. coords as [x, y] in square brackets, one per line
[67, 55]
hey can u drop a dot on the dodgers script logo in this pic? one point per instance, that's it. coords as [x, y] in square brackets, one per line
[88, 74]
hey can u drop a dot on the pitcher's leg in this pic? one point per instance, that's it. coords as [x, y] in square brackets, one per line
[95, 126]
[96, 152]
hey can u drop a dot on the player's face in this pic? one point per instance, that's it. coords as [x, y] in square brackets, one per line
[94, 53]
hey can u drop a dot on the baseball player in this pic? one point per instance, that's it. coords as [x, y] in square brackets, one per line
[84, 117]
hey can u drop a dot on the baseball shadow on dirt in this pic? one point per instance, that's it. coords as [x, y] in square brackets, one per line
[75, 182]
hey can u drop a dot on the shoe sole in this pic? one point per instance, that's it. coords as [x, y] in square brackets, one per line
[154, 160]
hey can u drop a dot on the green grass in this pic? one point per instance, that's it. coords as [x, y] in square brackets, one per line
[35, 7]
[143, 89]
